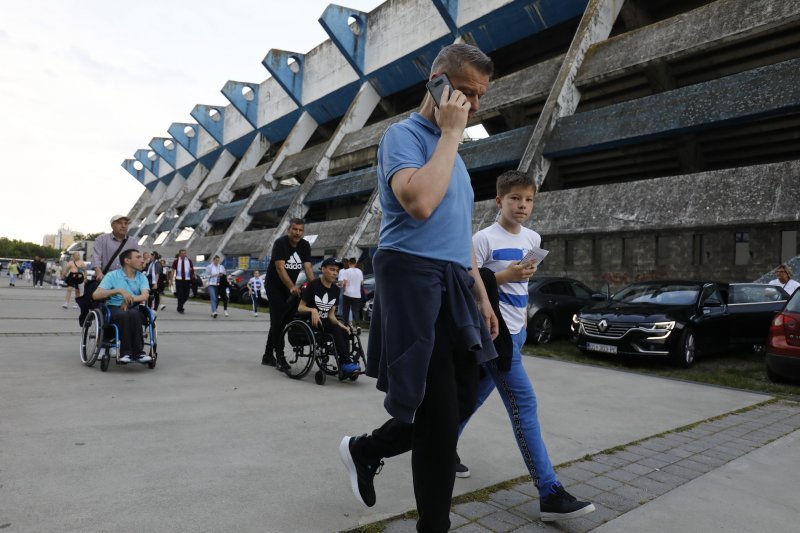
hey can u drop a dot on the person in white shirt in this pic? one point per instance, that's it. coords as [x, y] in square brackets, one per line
[215, 271]
[254, 288]
[785, 281]
[351, 298]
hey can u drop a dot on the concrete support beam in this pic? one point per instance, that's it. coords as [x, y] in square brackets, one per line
[714, 25]
[297, 139]
[252, 156]
[739, 197]
[732, 99]
[357, 114]
[166, 150]
[595, 26]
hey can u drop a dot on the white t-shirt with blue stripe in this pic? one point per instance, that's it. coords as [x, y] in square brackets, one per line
[496, 249]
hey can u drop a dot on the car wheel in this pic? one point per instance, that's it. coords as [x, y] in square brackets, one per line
[540, 329]
[684, 352]
[775, 377]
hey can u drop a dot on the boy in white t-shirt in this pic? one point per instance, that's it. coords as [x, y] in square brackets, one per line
[500, 247]
[254, 287]
[351, 298]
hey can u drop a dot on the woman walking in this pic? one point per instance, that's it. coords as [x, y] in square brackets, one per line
[13, 272]
[215, 271]
[74, 278]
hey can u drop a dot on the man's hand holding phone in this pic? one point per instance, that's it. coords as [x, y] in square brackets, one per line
[452, 107]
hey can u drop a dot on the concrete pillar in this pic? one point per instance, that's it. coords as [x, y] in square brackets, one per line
[252, 156]
[357, 114]
[595, 26]
[294, 143]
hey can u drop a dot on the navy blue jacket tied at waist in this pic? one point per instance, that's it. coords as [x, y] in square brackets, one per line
[410, 291]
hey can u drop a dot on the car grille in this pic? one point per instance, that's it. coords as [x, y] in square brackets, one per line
[614, 331]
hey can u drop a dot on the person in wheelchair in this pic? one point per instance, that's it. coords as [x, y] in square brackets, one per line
[319, 298]
[124, 289]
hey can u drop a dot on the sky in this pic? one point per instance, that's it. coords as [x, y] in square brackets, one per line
[85, 83]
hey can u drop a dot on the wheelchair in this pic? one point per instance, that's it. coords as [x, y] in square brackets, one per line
[100, 337]
[305, 346]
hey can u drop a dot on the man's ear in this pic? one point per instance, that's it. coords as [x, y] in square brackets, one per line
[498, 200]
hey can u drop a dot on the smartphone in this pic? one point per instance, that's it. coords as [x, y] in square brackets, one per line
[436, 87]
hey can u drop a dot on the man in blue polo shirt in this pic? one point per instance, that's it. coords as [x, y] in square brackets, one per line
[125, 288]
[427, 360]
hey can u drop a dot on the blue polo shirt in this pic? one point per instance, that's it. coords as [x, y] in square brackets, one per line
[116, 279]
[447, 234]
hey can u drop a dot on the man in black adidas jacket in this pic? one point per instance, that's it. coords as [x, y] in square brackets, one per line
[290, 254]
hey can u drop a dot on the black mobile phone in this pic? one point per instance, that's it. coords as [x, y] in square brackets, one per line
[436, 87]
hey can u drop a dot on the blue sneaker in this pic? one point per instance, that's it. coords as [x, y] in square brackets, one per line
[350, 368]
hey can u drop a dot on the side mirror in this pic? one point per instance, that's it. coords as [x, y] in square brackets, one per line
[600, 297]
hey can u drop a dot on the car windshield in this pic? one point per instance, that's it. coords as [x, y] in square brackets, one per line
[666, 294]
[753, 293]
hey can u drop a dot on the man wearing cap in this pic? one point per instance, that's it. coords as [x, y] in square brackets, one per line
[320, 299]
[107, 245]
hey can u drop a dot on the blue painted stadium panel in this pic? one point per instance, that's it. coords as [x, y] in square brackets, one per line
[518, 20]
[248, 108]
[408, 70]
[186, 170]
[240, 145]
[167, 178]
[277, 130]
[210, 158]
[333, 105]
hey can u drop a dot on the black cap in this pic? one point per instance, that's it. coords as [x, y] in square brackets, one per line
[332, 261]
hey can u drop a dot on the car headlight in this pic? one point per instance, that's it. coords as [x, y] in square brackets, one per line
[575, 320]
[660, 330]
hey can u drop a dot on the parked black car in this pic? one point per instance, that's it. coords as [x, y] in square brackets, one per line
[678, 319]
[552, 302]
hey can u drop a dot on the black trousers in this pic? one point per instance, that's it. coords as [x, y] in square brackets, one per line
[154, 299]
[349, 303]
[254, 296]
[182, 288]
[38, 278]
[129, 322]
[339, 340]
[278, 306]
[450, 397]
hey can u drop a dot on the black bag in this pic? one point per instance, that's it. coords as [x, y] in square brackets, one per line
[85, 300]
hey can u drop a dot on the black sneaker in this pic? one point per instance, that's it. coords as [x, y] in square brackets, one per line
[361, 472]
[462, 470]
[562, 505]
[268, 360]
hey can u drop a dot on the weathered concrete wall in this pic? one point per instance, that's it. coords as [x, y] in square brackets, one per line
[235, 125]
[471, 10]
[273, 102]
[331, 234]
[301, 162]
[714, 25]
[246, 242]
[325, 70]
[398, 28]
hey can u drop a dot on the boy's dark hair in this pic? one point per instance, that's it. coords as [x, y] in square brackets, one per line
[126, 255]
[513, 178]
[297, 221]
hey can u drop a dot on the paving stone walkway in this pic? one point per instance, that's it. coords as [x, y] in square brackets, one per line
[622, 479]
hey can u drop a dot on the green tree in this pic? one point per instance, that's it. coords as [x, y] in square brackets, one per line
[25, 250]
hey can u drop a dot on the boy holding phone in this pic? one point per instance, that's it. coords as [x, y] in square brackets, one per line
[505, 248]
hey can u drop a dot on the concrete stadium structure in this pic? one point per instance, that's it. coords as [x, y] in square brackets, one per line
[663, 135]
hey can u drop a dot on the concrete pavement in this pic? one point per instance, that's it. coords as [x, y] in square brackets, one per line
[210, 440]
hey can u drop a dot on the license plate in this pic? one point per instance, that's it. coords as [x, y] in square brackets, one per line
[605, 348]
